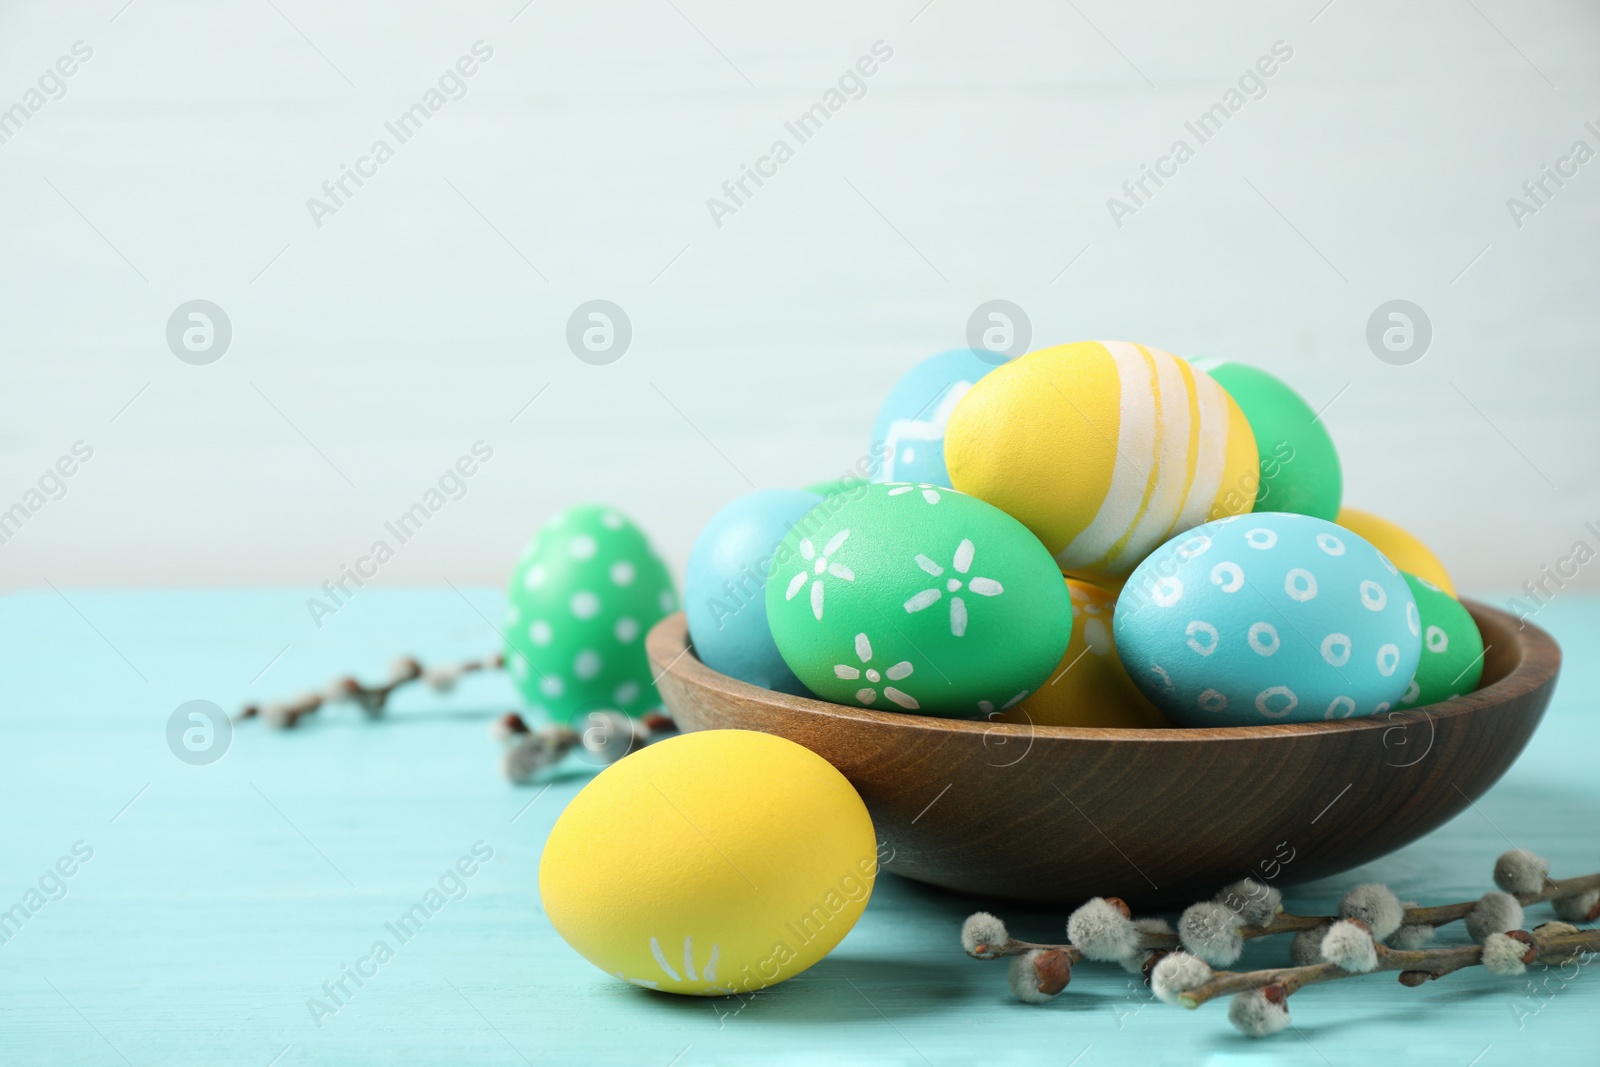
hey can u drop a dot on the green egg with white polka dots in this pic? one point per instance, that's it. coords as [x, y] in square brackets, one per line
[1452, 647]
[584, 593]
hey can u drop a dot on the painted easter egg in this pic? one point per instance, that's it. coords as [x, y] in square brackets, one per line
[1452, 647]
[584, 592]
[1266, 618]
[917, 598]
[1089, 686]
[909, 431]
[710, 863]
[723, 587]
[846, 484]
[1399, 544]
[1299, 465]
[1103, 449]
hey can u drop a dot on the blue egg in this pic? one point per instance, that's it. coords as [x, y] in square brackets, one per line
[723, 589]
[1268, 617]
[909, 431]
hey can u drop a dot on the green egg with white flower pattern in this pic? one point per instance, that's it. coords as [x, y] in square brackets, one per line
[916, 598]
[585, 591]
[1452, 647]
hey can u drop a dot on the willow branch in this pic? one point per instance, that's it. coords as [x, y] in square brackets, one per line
[1415, 966]
[371, 699]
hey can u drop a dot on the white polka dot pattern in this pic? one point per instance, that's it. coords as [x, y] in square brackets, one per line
[584, 591]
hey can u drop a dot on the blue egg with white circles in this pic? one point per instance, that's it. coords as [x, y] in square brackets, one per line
[723, 588]
[908, 434]
[1268, 617]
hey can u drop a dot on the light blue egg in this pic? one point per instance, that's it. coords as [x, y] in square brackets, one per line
[909, 431]
[1267, 618]
[723, 589]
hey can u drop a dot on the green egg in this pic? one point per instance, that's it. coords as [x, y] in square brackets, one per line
[1452, 647]
[585, 591]
[916, 598]
[1299, 464]
[835, 486]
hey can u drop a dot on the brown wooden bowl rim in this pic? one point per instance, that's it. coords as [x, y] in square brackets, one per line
[1538, 661]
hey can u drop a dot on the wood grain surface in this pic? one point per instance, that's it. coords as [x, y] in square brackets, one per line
[1055, 814]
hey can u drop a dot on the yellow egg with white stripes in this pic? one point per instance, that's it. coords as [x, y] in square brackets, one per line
[712, 863]
[1104, 449]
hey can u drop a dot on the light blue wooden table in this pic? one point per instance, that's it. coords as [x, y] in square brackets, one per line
[219, 899]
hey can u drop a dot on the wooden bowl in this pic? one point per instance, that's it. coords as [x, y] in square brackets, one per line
[1056, 814]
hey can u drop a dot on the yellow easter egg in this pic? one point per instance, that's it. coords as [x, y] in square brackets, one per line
[710, 863]
[1104, 449]
[1089, 686]
[1399, 544]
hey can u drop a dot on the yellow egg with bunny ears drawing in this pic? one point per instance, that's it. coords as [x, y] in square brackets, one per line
[711, 863]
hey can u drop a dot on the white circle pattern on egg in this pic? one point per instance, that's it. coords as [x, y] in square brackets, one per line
[584, 604]
[1285, 618]
[622, 572]
[1373, 598]
[1336, 649]
[1261, 538]
[1196, 630]
[1300, 584]
[1265, 697]
[582, 547]
[1263, 638]
[1228, 577]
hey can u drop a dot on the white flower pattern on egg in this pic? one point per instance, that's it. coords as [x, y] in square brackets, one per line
[961, 563]
[930, 493]
[818, 568]
[868, 694]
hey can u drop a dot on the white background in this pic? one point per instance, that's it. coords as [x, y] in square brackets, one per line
[374, 350]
